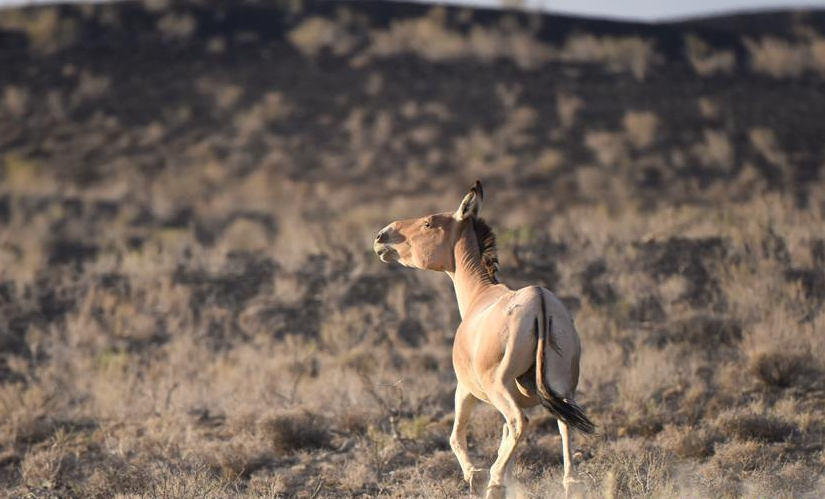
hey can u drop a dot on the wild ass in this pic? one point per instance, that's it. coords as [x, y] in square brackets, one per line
[500, 352]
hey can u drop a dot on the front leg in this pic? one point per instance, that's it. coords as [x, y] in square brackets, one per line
[464, 404]
[502, 398]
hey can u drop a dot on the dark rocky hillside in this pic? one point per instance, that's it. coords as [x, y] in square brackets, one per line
[106, 74]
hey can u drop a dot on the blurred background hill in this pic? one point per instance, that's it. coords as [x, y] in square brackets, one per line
[189, 304]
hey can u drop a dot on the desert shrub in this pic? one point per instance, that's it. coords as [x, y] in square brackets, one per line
[114, 474]
[354, 422]
[288, 433]
[764, 141]
[188, 480]
[630, 469]
[177, 26]
[90, 86]
[442, 465]
[689, 442]
[609, 148]
[743, 455]
[699, 329]
[430, 37]
[780, 369]
[536, 455]
[638, 389]
[15, 100]
[268, 486]
[316, 34]
[567, 105]
[356, 475]
[715, 150]
[752, 426]
[344, 330]
[708, 108]
[485, 429]
[753, 469]
[794, 479]
[776, 57]
[640, 127]
[42, 466]
[239, 458]
[46, 30]
[427, 36]
[782, 58]
[706, 61]
[631, 54]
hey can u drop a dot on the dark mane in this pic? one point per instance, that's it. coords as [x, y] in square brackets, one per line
[487, 247]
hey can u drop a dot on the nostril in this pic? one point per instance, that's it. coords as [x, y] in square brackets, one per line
[381, 237]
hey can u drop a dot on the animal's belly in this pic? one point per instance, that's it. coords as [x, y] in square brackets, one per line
[527, 399]
[464, 373]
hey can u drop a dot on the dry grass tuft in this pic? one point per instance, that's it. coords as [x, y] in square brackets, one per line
[567, 105]
[782, 58]
[640, 127]
[690, 442]
[632, 54]
[47, 32]
[753, 426]
[780, 369]
[177, 26]
[739, 456]
[431, 37]
[632, 469]
[715, 150]
[706, 61]
[289, 433]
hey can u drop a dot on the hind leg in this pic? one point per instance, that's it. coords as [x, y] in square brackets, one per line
[569, 479]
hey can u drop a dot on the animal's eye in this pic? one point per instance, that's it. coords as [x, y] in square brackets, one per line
[426, 224]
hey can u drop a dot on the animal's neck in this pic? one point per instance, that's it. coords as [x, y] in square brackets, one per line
[470, 278]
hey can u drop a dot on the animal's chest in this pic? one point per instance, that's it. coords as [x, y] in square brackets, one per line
[475, 343]
[463, 366]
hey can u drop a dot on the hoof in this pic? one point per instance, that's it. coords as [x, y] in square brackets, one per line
[477, 478]
[496, 492]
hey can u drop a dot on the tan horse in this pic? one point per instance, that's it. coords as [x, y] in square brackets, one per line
[500, 352]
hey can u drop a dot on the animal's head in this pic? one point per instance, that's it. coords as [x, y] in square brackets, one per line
[429, 242]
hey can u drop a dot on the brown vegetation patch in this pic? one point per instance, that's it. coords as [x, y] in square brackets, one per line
[781, 369]
[739, 456]
[540, 454]
[632, 469]
[702, 330]
[691, 442]
[288, 433]
[689, 258]
[753, 426]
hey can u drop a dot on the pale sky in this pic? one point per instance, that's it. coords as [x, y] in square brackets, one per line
[641, 10]
[648, 10]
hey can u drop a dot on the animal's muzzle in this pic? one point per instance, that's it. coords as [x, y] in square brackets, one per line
[385, 252]
[383, 236]
[383, 245]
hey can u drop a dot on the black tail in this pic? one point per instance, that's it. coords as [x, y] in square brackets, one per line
[563, 408]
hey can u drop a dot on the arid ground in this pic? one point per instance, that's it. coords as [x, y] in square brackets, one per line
[190, 306]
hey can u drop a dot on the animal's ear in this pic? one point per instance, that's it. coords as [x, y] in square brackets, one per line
[471, 204]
